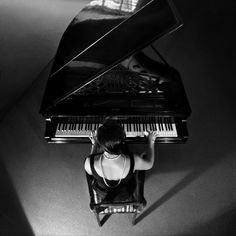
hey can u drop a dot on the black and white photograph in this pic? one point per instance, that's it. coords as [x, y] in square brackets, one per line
[117, 117]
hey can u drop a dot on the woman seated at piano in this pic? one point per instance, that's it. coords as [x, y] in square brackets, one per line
[111, 163]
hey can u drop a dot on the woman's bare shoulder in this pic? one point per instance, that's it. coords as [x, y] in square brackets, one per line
[87, 165]
[140, 162]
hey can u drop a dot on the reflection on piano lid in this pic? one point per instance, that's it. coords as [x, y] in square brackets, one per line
[104, 36]
[121, 6]
[100, 70]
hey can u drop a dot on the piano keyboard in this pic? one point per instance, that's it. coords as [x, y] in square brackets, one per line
[133, 126]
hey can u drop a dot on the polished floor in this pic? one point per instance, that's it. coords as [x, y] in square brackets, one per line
[191, 189]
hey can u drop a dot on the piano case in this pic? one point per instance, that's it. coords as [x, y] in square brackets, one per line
[100, 70]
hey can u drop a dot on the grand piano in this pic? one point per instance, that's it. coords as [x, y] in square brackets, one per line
[101, 69]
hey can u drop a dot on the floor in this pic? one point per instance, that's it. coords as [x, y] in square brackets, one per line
[191, 189]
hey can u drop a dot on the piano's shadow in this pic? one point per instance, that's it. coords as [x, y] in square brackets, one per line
[198, 155]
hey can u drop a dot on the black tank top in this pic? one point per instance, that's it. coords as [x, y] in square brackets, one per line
[112, 183]
[122, 192]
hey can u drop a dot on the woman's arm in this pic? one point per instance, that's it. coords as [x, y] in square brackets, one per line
[93, 150]
[146, 161]
[87, 166]
[93, 140]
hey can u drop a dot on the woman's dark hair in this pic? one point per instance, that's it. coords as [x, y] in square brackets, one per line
[110, 136]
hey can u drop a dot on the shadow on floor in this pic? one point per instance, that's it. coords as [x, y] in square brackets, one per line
[12, 217]
[201, 153]
[221, 225]
[183, 183]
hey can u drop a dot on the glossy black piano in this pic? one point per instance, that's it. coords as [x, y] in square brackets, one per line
[101, 70]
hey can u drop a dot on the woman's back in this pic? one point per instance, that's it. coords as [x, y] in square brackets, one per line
[107, 170]
[114, 179]
[112, 169]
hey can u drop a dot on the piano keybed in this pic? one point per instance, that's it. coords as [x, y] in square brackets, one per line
[133, 126]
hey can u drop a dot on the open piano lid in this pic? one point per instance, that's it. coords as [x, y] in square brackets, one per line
[102, 35]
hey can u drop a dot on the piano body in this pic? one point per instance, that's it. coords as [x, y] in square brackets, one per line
[101, 70]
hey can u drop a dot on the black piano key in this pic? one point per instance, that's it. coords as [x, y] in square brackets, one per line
[135, 124]
[153, 124]
[144, 124]
[139, 125]
[79, 123]
[167, 123]
[159, 123]
[82, 123]
[95, 123]
[88, 125]
[165, 126]
[150, 123]
[64, 126]
[129, 124]
[162, 124]
[170, 126]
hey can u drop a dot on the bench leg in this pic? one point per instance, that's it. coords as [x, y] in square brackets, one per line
[98, 219]
[134, 218]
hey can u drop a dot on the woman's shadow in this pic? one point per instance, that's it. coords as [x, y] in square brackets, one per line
[197, 156]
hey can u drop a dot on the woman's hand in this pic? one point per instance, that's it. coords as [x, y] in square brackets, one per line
[93, 137]
[151, 136]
